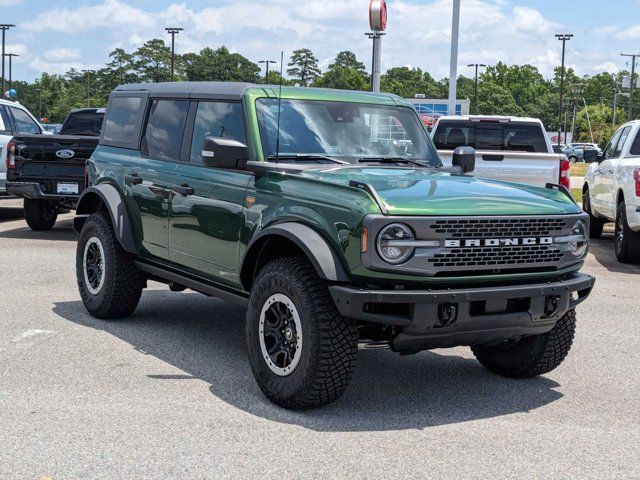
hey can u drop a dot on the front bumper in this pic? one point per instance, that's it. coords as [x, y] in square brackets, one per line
[445, 318]
[34, 191]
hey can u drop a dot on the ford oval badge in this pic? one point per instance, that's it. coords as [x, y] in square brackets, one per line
[65, 154]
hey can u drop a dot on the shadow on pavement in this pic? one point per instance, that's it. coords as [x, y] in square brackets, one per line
[10, 213]
[603, 253]
[204, 338]
[62, 231]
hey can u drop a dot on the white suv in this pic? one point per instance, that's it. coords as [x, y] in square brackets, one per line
[14, 119]
[611, 191]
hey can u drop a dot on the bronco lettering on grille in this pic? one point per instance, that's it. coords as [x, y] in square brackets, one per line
[497, 242]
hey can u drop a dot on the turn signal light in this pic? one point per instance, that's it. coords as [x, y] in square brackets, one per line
[364, 240]
[11, 155]
[565, 178]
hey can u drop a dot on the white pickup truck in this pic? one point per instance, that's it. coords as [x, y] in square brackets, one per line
[611, 191]
[508, 148]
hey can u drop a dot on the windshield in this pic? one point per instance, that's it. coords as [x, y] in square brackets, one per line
[350, 132]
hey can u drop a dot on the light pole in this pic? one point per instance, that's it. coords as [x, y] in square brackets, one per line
[4, 27]
[378, 24]
[87, 73]
[475, 86]
[563, 37]
[11, 55]
[173, 31]
[266, 76]
[631, 83]
[453, 62]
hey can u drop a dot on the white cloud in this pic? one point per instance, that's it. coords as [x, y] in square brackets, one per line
[62, 54]
[528, 19]
[609, 67]
[631, 33]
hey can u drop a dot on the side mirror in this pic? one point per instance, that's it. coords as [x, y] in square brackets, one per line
[220, 152]
[590, 155]
[465, 158]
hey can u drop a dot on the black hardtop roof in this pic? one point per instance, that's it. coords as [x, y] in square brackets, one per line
[222, 89]
[88, 110]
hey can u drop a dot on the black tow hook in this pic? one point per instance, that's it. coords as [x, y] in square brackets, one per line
[551, 305]
[447, 314]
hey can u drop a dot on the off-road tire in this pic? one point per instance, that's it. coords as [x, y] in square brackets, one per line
[123, 282]
[596, 225]
[531, 356]
[330, 342]
[40, 215]
[626, 241]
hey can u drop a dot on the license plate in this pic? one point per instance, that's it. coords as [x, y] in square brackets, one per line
[68, 188]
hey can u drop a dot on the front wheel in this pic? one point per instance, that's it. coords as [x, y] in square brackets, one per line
[626, 241]
[301, 350]
[40, 215]
[110, 284]
[530, 356]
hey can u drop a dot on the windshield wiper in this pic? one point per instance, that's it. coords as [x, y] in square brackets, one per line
[393, 160]
[307, 156]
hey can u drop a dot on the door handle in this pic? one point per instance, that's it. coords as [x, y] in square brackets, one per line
[184, 189]
[132, 179]
[492, 158]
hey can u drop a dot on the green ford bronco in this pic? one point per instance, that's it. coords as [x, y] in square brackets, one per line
[329, 215]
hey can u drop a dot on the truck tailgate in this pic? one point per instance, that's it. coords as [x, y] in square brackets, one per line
[520, 167]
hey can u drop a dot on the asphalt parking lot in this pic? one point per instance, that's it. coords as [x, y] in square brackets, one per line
[168, 393]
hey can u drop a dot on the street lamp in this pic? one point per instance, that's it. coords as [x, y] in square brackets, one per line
[267, 62]
[475, 86]
[87, 73]
[4, 27]
[631, 83]
[11, 55]
[173, 31]
[563, 37]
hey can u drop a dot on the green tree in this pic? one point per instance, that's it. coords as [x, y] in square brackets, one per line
[494, 99]
[344, 78]
[347, 59]
[407, 82]
[152, 61]
[303, 67]
[219, 65]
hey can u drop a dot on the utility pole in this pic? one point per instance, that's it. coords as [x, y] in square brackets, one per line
[11, 55]
[631, 83]
[39, 90]
[575, 114]
[4, 27]
[87, 73]
[266, 76]
[475, 86]
[173, 31]
[563, 37]
[453, 62]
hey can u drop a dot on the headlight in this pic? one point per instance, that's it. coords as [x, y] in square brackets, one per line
[390, 243]
[578, 246]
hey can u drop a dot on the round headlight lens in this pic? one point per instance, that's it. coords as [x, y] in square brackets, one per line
[390, 240]
[579, 247]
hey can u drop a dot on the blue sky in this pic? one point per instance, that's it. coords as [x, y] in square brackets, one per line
[56, 35]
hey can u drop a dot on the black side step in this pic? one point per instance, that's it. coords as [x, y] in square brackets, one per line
[194, 284]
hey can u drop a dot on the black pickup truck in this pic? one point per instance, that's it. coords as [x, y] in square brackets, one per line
[48, 171]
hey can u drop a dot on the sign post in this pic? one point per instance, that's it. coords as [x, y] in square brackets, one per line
[378, 24]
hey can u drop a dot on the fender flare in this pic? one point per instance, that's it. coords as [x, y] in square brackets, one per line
[106, 194]
[322, 256]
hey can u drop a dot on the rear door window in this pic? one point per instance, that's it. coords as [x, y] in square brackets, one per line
[5, 121]
[23, 122]
[517, 137]
[621, 142]
[121, 124]
[635, 147]
[165, 128]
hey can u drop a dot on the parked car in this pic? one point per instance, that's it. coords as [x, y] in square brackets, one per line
[14, 119]
[509, 148]
[330, 216]
[611, 192]
[576, 152]
[52, 128]
[48, 171]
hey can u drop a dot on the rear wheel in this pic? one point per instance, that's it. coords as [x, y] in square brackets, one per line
[530, 356]
[110, 285]
[301, 350]
[627, 242]
[596, 224]
[40, 215]
[573, 159]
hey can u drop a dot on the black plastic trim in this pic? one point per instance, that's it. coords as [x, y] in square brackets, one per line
[34, 191]
[367, 187]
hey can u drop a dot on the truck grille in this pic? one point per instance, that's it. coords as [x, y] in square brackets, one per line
[496, 256]
[496, 228]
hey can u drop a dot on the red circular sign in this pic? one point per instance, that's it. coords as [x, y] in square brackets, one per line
[378, 15]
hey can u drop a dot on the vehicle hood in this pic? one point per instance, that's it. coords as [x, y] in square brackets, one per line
[421, 191]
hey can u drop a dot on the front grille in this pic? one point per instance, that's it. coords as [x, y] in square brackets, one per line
[496, 228]
[496, 256]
